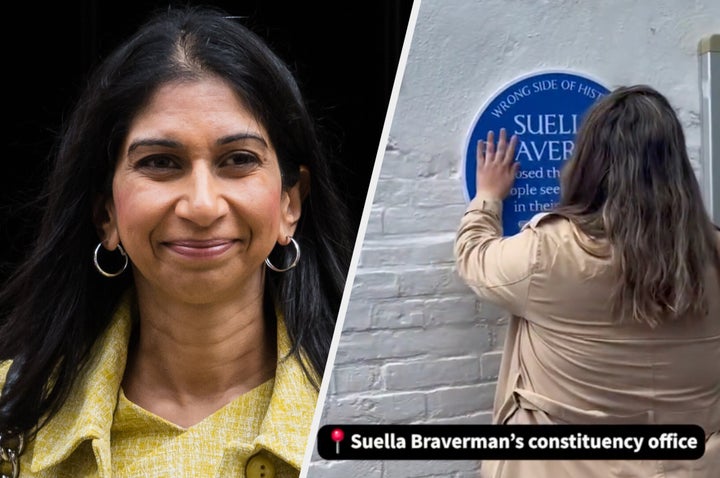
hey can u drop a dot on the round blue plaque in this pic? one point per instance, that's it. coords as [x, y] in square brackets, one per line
[544, 110]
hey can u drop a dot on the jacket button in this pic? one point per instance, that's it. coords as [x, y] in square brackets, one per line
[259, 466]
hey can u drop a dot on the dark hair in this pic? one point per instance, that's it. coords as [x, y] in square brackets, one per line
[630, 181]
[55, 305]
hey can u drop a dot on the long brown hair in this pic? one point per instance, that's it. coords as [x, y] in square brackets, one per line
[629, 180]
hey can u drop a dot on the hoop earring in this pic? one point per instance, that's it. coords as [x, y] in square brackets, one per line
[294, 262]
[100, 269]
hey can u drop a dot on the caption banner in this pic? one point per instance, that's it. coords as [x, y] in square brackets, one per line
[508, 442]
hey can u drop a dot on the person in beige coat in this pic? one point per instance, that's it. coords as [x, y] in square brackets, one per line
[614, 295]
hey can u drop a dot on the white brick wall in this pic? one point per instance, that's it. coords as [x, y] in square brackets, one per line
[416, 346]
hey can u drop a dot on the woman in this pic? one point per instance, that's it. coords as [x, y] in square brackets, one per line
[182, 291]
[614, 295]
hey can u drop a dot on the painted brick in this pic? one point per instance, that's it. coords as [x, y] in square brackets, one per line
[427, 468]
[420, 220]
[394, 313]
[357, 378]
[420, 374]
[408, 251]
[490, 364]
[335, 469]
[456, 401]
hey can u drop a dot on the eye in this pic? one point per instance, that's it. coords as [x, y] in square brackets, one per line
[157, 162]
[240, 159]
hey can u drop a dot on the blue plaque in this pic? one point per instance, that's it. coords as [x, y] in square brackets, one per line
[544, 110]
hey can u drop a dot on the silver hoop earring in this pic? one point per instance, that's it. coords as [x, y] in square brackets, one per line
[294, 262]
[110, 274]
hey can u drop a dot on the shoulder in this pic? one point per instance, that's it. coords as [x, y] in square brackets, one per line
[566, 253]
[559, 229]
[550, 229]
[557, 232]
[546, 221]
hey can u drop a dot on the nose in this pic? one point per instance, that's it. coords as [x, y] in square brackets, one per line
[202, 201]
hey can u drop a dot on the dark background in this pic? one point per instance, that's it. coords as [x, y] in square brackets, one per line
[345, 56]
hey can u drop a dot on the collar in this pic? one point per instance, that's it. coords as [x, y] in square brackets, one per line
[87, 414]
[88, 411]
[292, 406]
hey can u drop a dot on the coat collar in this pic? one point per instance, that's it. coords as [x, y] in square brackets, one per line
[292, 406]
[88, 411]
[87, 414]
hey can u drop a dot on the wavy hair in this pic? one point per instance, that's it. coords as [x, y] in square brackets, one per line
[630, 181]
[55, 305]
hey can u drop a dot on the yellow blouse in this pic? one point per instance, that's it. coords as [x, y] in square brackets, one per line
[98, 432]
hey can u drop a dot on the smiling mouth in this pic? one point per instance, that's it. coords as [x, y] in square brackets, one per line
[201, 249]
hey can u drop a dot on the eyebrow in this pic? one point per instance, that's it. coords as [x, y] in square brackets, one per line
[169, 143]
[242, 137]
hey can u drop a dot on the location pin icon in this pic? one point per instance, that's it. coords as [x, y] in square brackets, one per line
[337, 436]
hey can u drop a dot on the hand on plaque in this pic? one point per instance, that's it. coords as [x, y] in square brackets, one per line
[496, 167]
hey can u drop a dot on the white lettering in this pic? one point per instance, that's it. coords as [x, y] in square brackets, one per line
[510, 100]
[545, 124]
[554, 150]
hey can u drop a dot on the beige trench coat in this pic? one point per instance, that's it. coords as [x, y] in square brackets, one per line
[566, 360]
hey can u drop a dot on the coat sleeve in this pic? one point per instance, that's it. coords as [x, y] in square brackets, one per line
[499, 269]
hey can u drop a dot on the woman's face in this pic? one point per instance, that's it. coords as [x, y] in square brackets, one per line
[197, 198]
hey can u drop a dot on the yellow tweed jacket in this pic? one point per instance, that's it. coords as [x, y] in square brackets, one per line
[76, 442]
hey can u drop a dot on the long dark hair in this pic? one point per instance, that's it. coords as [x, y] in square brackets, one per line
[630, 181]
[55, 305]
